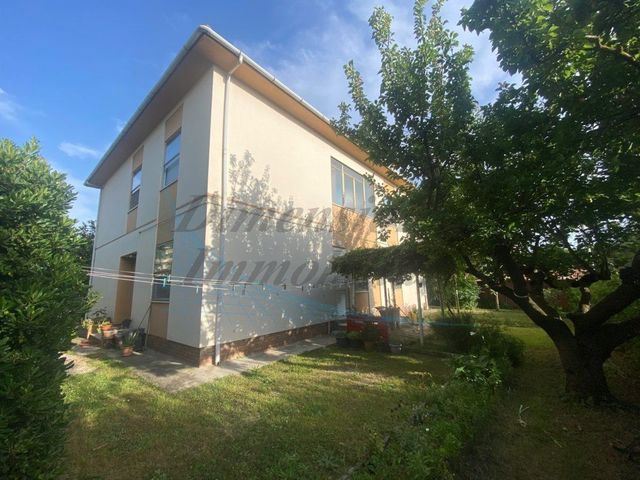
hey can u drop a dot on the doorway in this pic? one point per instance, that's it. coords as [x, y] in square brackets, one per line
[124, 292]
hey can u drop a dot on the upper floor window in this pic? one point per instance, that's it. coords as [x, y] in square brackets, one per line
[171, 160]
[350, 189]
[136, 180]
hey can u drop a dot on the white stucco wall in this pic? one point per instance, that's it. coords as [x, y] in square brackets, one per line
[276, 164]
[112, 241]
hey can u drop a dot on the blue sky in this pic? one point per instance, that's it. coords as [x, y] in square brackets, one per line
[74, 71]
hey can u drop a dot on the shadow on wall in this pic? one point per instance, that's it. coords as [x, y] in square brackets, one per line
[276, 270]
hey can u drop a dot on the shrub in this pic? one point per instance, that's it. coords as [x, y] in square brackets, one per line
[42, 297]
[354, 335]
[481, 370]
[456, 332]
[468, 291]
[491, 340]
[432, 435]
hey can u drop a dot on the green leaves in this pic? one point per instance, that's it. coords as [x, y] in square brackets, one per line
[549, 171]
[43, 295]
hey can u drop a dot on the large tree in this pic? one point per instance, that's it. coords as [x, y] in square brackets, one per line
[529, 193]
[43, 294]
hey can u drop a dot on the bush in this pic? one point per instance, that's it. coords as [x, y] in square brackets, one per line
[461, 334]
[42, 297]
[456, 332]
[481, 370]
[431, 435]
[491, 340]
[468, 291]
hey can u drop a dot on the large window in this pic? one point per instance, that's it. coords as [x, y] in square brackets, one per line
[162, 271]
[171, 160]
[350, 189]
[136, 181]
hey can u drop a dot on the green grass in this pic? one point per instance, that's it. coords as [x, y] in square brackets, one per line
[316, 415]
[505, 317]
[312, 416]
[537, 433]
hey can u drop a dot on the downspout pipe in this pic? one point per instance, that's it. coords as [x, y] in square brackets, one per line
[223, 200]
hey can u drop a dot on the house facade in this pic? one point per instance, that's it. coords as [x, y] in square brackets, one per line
[222, 202]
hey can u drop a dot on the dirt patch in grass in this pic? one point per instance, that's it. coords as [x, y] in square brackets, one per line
[539, 434]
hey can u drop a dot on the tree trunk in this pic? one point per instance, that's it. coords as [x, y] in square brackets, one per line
[583, 369]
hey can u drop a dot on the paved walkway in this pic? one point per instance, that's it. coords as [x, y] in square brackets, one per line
[172, 375]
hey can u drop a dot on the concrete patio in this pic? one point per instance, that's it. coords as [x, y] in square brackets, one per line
[172, 375]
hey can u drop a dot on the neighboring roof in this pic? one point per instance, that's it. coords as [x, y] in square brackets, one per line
[203, 48]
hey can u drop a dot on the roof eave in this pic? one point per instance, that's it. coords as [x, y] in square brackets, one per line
[195, 36]
[205, 30]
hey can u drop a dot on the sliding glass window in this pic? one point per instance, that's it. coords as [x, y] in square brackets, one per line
[350, 189]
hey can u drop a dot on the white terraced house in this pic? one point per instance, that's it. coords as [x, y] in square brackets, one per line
[228, 195]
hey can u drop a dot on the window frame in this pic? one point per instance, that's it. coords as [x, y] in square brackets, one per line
[161, 292]
[135, 190]
[173, 161]
[361, 186]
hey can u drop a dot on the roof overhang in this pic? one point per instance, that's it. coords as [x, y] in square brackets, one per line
[204, 48]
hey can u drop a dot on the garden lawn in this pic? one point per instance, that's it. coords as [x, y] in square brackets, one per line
[504, 317]
[310, 416]
[539, 434]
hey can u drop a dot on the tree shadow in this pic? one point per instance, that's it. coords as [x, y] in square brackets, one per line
[276, 270]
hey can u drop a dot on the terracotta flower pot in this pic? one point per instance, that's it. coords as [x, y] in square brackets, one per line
[127, 351]
[109, 333]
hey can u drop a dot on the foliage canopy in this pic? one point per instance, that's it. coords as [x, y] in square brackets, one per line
[537, 190]
[42, 297]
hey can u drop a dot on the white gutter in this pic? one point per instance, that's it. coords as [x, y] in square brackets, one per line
[223, 199]
[249, 61]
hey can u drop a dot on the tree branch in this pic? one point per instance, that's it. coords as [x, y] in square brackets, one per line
[537, 294]
[504, 257]
[616, 334]
[488, 281]
[615, 302]
[618, 52]
[549, 323]
[584, 304]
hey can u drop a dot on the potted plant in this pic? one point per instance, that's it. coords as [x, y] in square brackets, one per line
[87, 325]
[341, 339]
[370, 335]
[355, 339]
[106, 328]
[128, 342]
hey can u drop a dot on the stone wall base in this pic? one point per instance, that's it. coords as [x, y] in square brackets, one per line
[204, 356]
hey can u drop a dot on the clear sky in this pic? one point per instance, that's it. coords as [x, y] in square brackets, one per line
[72, 72]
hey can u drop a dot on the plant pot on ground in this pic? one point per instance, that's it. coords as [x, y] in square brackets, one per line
[88, 324]
[370, 336]
[355, 339]
[395, 347]
[341, 339]
[128, 342]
